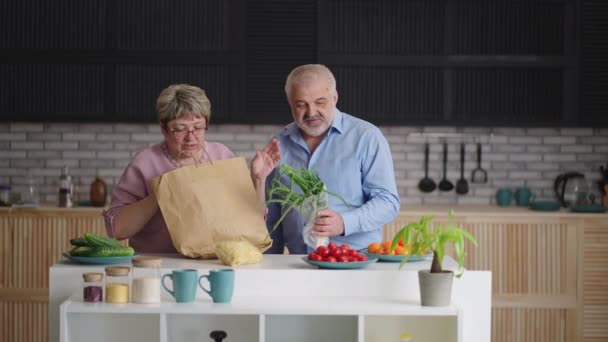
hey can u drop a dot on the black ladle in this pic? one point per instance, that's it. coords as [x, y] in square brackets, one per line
[462, 186]
[479, 175]
[426, 184]
[445, 184]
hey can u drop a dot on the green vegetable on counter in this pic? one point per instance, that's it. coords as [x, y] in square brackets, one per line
[92, 245]
[309, 182]
[101, 241]
[81, 251]
[111, 251]
[79, 242]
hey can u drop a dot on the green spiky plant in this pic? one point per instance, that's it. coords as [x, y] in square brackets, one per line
[422, 240]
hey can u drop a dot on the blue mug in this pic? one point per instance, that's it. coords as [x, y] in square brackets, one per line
[523, 197]
[184, 285]
[221, 285]
[503, 197]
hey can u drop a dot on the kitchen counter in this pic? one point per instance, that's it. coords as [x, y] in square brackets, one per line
[549, 269]
[284, 286]
[492, 210]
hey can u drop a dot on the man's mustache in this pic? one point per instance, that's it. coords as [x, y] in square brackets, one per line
[317, 116]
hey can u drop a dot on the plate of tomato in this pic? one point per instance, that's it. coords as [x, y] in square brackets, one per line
[338, 257]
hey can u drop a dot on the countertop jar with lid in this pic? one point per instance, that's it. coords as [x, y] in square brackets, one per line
[117, 284]
[145, 287]
[92, 287]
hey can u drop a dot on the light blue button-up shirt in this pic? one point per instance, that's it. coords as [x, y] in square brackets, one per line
[353, 160]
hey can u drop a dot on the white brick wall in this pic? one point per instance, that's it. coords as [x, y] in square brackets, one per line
[513, 157]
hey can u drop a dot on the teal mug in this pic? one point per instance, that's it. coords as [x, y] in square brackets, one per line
[184, 285]
[503, 197]
[221, 285]
[523, 197]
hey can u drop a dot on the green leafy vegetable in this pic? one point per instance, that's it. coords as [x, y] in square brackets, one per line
[308, 181]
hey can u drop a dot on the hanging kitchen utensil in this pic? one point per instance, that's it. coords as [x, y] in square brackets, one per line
[218, 335]
[426, 184]
[445, 184]
[462, 186]
[479, 175]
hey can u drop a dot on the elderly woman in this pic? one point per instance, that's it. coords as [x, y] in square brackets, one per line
[183, 114]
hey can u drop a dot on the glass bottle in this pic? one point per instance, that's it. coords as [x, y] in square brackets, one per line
[31, 195]
[145, 287]
[66, 189]
[92, 287]
[98, 192]
[117, 284]
[5, 195]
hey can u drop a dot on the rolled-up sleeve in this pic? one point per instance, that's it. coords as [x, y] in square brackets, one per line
[131, 188]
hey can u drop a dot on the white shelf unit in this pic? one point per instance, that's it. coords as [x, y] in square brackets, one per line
[280, 299]
[268, 319]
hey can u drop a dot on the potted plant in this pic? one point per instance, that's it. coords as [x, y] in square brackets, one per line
[436, 283]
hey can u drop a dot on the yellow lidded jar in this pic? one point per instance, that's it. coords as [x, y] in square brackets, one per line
[117, 284]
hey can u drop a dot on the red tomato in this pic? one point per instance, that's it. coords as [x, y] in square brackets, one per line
[322, 251]
[361, 257]
[332, 245]
[351, 253]
[343, 258]
[330, 259]
[317, 257]
[336, 252]
[345, 246]
[311, 255]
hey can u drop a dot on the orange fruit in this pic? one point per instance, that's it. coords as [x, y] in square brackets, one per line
[374, 247]
[387, 244]
[400, 250]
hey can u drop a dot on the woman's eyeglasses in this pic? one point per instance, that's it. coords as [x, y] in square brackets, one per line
[182, 133]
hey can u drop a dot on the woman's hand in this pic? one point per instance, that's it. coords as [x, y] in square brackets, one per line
[265, 160]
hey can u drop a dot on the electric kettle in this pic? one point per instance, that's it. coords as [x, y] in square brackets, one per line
[571, 189]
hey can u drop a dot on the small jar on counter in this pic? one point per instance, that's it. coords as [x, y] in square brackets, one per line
[117, 284]
[145, 287]
[5, 195]
[92, 287]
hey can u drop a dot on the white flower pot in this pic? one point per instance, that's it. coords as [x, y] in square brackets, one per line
[435, 288]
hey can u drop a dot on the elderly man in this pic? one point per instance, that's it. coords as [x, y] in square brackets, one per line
[350, 155]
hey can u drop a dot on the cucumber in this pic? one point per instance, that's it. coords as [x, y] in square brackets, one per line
[79, 242]
[101, 241]
[81, 251]
[111, 251]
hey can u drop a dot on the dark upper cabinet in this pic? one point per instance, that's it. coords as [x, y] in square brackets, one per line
[397, 62]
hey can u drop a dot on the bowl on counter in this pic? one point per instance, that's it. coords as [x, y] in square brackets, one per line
[545, 205]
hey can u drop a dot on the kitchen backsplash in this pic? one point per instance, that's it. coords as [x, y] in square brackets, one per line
[513, 157]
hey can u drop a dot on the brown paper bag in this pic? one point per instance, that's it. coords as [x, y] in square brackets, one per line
[211, 202]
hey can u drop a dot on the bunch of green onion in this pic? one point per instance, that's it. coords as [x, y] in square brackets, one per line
[307, 180]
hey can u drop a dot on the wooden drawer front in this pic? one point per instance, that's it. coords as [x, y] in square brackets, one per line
[524, 257]
[595, 281]
[24, 321]
[533, 325]
[36, 243]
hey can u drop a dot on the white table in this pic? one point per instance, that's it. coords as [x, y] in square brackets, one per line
[280, 299]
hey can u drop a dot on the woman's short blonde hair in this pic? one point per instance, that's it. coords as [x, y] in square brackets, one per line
[179, 100]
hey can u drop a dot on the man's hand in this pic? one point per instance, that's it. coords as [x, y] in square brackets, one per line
[265, 160]
[328, 223]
